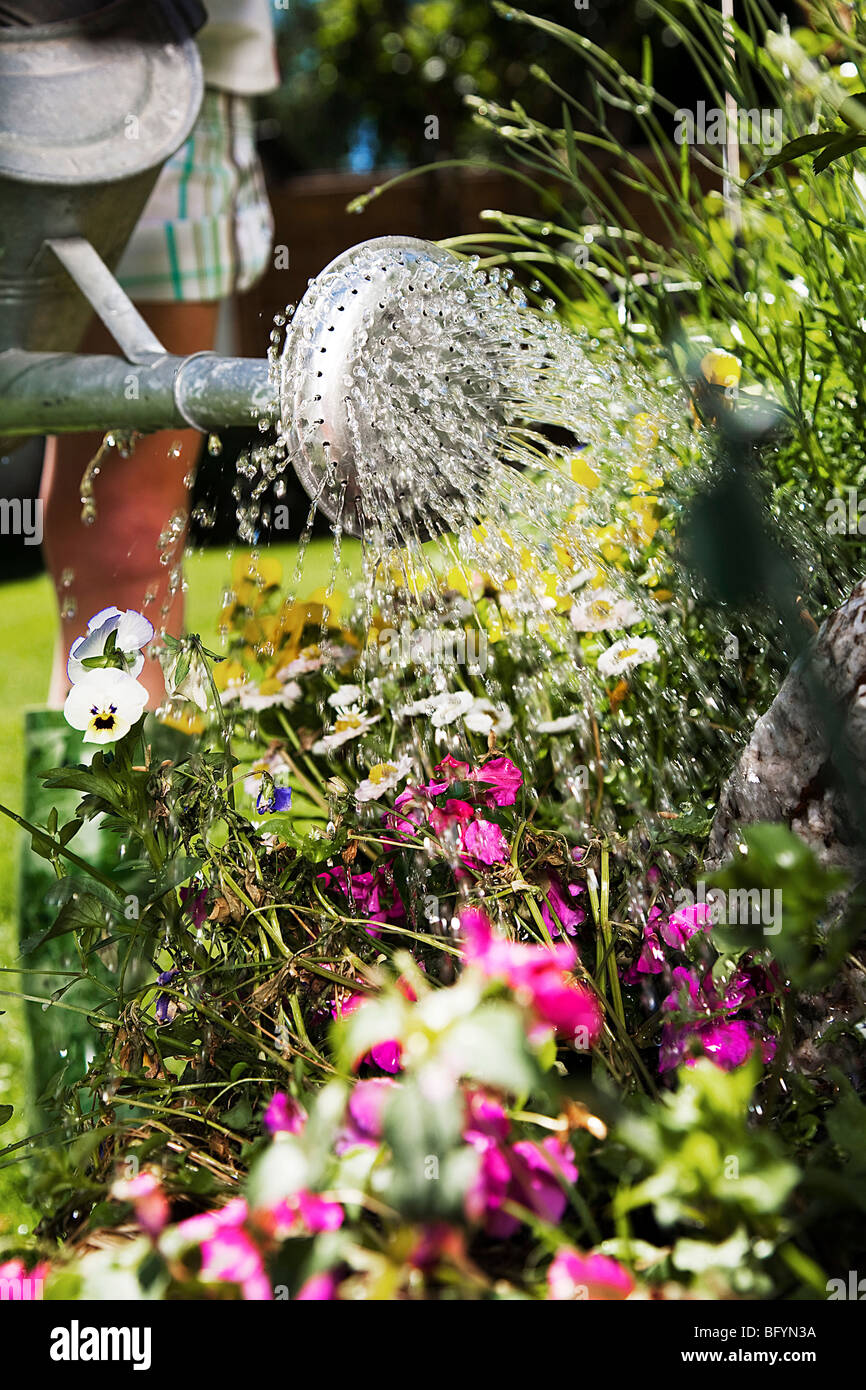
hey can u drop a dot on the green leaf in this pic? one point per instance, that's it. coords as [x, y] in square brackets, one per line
[841, 147]
[804, 144]
[490, 1045]
[6, 1113]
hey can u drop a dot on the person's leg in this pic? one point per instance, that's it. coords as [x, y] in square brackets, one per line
[116, 559]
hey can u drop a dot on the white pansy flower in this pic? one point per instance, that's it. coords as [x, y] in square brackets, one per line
[345, 696]
[132, 632]
[626, 653]
[384, 777]
[105, 703]
[558, 726]
[601, 609]
[350, 725]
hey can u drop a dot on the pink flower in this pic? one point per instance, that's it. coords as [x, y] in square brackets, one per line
[527, 1174]
[503, 779]
[148, 1199]
[570, 917]
[305, 1210]
[596, 1278]
[539, 975]
[228, 1253]
[485, 842]
[707, 1022]
[651, 960]
[284, 1115]
[388, 1054]
[682, 925]
[450, 770]
[365, 893]
[23, 1283]
[362, 1123]
[453, 813]
[319, 1288]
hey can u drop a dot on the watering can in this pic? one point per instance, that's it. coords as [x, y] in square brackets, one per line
[94, 98]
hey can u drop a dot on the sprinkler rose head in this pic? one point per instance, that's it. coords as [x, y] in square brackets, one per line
[364, 377]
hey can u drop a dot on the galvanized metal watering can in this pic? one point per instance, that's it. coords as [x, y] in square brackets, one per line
[91, 106]
[92, 103]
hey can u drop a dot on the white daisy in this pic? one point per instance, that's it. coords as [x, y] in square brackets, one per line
[384, 777]
[558, 726]
[350, 725]
[599, 610]
[345, 696]
[105, 703]
[626, 653]
[258, 699]
[449, 706]
[132, 632]
[484, 716]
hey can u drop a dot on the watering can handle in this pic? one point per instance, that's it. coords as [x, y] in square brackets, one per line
[111, 303]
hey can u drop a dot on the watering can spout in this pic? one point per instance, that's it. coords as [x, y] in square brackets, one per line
[146, 389]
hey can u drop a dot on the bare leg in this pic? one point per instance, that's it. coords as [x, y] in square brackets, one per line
[116, 560]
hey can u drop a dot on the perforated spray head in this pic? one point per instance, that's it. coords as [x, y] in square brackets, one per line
[387, 378]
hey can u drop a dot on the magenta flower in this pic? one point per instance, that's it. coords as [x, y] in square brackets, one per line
[485, 842]
[367, 893]
[596, 1278]
[540, 976]
[228, 1253]
[570, 917]
[538, 1172]
[707, 1025]
[683, 924]
[15, 1273]
[454, 813]
[651, 960]
[284, 1115]
[149, 1202]
[387, 1055]
[526, 1174]
[450, 770]
[306, 1211]
[362, 1123]
[503, 779]
[319, 1288]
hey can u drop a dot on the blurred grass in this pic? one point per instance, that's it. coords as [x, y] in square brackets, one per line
[27, 623]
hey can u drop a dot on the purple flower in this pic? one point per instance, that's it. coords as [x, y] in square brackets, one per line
[273, 800]
[683, 924]
[284, 1115]
[194, 900]
[166, 1007]
[705, 1023]
[570, 917]
[651, 960]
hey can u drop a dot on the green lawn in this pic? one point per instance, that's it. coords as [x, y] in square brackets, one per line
[27, 625]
